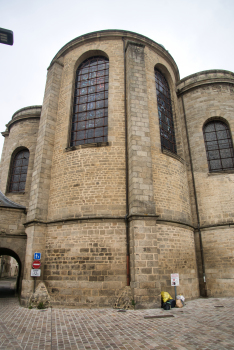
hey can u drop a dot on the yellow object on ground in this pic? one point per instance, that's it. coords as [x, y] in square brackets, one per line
[165, 296]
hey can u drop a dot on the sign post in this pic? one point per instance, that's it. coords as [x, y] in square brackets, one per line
[175, 281]
[36, 271]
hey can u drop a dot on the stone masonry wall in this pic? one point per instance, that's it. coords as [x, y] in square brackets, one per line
[11, 221]
[210, 95]
[38, 204]
[22, 134]
[141, 192]
[85, 262]
[213, 189]
[144, 262]
[218, 245]
[176, 254]
[36, 239]
[90, 181]
[76, 196]
[171, 192]
[157, 251]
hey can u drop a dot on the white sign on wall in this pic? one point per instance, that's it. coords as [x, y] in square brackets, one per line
[35, 272]
[175, 279]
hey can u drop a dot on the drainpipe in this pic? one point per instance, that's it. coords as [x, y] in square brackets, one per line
[1, 265]
[126, 171]
[196, 203]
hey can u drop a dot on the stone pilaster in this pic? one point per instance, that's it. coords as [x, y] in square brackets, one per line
[139, 148]
[36, 235]
[39, 196]
[143, 237]
[38, 204]
[144, 262]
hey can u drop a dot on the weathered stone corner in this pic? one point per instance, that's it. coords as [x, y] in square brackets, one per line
[41, 295]
[125, 299]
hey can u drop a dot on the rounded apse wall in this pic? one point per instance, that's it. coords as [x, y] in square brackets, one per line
[91, 180]
[20, 134]
[208, 101]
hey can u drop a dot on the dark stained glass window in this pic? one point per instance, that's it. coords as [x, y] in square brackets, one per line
[166, 123]
[19, 171]
[219, 147]
[90, 111]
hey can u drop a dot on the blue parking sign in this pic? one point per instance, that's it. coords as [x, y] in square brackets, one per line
[37, 256]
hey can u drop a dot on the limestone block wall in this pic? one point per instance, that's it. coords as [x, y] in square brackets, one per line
[176, 254]
[36, 239]
[85, 262]
[89, 180]
[76, 196]
[141, 196]
[144, 264]
[38, 203]
[21, 132]
[17, 245]
[11, 221]
[218, 245]
[158, 184]
[171, 189]
[211, 96]
[164, 179]
[170, 179]
[157, 251]
[85, 181]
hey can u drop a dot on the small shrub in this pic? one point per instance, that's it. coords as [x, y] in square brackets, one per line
[30, 307]
[41, 305]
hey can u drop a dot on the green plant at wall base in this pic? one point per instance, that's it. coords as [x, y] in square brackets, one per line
[41, 305]
[133, 302]
[30, 307]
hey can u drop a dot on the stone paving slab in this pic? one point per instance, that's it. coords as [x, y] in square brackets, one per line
[201, 324]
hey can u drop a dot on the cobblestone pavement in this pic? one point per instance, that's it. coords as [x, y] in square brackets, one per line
[201, 324]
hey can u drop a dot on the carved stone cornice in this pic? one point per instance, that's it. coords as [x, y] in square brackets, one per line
[117, 34]
[31, 112]
[204, 78]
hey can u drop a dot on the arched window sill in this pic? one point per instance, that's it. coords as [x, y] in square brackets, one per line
[173, 155]
[87, 145]
[10, 193]
[221, 172]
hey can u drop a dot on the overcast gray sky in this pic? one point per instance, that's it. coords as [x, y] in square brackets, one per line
[198, 34]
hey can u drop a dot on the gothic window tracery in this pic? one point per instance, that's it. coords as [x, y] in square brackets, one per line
[90, 110]
[167, 132]
[19, 171]
[219, 147]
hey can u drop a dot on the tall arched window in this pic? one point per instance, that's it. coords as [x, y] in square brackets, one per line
[90, 112]
[19, 170]
[166, 123]
[219, 147]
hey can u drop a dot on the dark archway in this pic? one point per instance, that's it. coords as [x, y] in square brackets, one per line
[6, 251]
